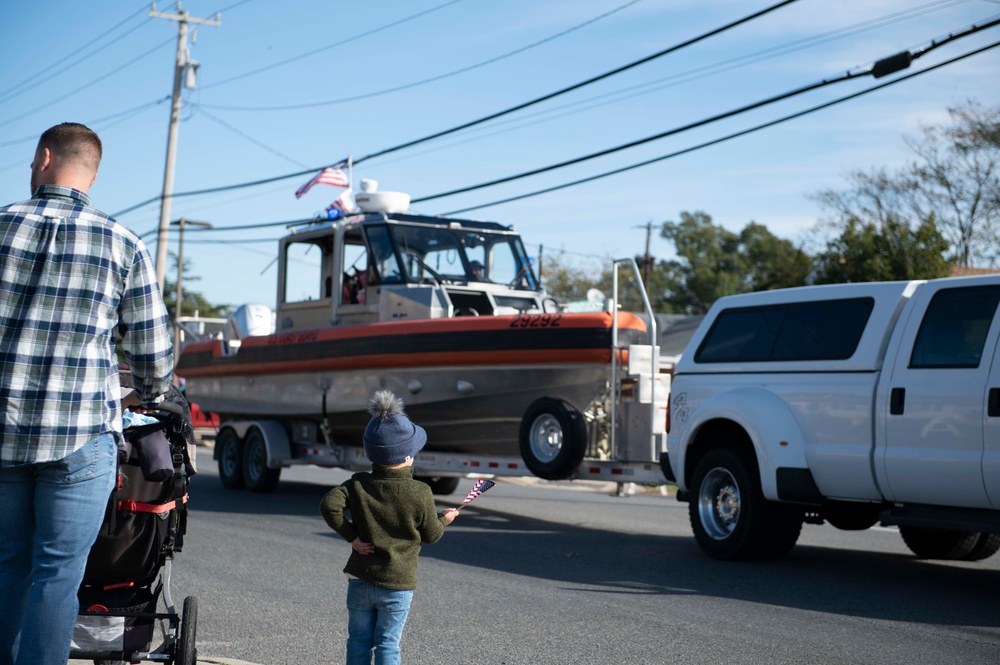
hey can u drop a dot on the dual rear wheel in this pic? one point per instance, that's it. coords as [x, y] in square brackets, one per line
[243, 462]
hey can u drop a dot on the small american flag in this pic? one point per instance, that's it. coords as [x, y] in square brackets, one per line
[331, 175]
[481, 486]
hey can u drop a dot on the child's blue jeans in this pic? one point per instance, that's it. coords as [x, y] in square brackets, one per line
[375, 620]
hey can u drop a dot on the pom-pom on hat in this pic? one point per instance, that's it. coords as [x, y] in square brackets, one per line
[390, 438]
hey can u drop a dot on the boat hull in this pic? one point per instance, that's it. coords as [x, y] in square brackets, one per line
[468, 382]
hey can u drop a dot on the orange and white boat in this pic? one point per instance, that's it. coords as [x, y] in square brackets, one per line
[448, 314]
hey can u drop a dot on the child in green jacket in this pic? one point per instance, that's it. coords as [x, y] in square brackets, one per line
[391, 516]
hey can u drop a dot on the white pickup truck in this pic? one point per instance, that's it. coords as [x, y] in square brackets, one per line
[852, 404]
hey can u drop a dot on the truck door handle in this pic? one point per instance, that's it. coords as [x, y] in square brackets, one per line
[897, 399]
[993, 407]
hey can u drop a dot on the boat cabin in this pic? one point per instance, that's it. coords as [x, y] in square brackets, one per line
[394, 266]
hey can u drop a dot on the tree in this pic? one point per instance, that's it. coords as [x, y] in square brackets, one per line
[953, 185]
[867, 252]
[191, 301]
[956, 179]
[713, 262]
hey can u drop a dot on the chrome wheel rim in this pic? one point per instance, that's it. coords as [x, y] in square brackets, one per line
[719, 503]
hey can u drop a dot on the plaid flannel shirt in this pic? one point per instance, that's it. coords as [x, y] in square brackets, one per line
[71, 280]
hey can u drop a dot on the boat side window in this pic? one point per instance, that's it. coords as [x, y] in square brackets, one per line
[384, 264]
[307, 271]
[355, 278]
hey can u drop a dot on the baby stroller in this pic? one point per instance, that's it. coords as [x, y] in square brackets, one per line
[130, 564]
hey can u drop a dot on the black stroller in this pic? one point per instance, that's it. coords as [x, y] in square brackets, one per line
[130, 564]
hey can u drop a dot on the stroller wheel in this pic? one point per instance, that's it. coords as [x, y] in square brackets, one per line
[187, 651]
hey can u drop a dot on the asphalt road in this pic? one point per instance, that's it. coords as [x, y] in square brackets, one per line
[568, 573]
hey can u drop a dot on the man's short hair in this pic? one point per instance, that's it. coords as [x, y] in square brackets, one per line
[73, 141]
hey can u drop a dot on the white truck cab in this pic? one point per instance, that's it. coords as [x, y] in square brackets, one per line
[851, 404]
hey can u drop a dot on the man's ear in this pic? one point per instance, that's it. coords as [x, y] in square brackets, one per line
[92, 180]
[43, 159]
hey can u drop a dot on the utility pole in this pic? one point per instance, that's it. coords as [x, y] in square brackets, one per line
[181, 65]
[180, 276]
[647, 260]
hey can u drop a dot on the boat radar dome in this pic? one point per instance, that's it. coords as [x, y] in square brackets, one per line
[372, 200]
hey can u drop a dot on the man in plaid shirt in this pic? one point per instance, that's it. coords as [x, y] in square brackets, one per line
[72, 282]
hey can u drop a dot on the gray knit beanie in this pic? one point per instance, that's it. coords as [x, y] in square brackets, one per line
[390, 438]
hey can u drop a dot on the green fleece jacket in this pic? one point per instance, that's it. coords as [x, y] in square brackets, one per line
[393, 512]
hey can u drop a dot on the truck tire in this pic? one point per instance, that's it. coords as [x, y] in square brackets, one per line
[259, 477]
[230, 455]
[553, 438]
[441, 485]
[946, 544]
[729, 515]
[986, 546]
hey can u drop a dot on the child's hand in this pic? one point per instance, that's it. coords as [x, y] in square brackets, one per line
[361, 547]
[449, 515]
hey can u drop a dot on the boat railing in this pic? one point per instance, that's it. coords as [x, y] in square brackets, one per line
[615, 365]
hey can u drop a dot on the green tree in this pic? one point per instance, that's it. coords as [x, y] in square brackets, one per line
[192, 302]
[869, 252]
[713, 262]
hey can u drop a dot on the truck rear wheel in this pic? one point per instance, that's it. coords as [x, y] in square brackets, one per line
[259, 476]
[986, 546]
[553, 438]
[729, 515]
[947, 544]
[230, 454]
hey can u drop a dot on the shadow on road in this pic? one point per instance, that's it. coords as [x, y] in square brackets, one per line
[892, 587]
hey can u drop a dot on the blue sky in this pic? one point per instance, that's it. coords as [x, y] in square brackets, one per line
[109, 64]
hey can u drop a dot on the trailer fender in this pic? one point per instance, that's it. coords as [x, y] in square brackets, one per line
[275, 439]
[774, 432]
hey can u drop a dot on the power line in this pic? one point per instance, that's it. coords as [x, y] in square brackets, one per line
[414, 84]
[581, 84]
[86, 85]
[492, 116]
[881, 68]
[654, 160]
[35, 79]
[198, 108]
[688, 76]
[728, 137]
[330, 46]
[91, 123]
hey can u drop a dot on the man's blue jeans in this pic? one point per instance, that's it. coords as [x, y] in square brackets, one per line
[50, 514]
[375, 620]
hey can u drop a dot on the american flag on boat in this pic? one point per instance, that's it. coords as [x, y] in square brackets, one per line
[481, 486]
[331, 175]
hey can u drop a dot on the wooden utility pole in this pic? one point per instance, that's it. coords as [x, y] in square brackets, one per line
[181, 64]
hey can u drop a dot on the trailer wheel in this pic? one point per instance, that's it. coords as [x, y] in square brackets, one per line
[946, 544]
[441, 485]
[230, 459]
[259, 477]
[553, 438]
[187, 650]
[986, 546]
[729, 515]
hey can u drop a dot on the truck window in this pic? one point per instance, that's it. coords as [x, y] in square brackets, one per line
[819, 330]
[953, 331]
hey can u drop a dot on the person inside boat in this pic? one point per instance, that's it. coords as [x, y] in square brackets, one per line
[476, 270]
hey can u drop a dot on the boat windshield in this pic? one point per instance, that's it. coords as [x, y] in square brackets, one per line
[449, 255]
